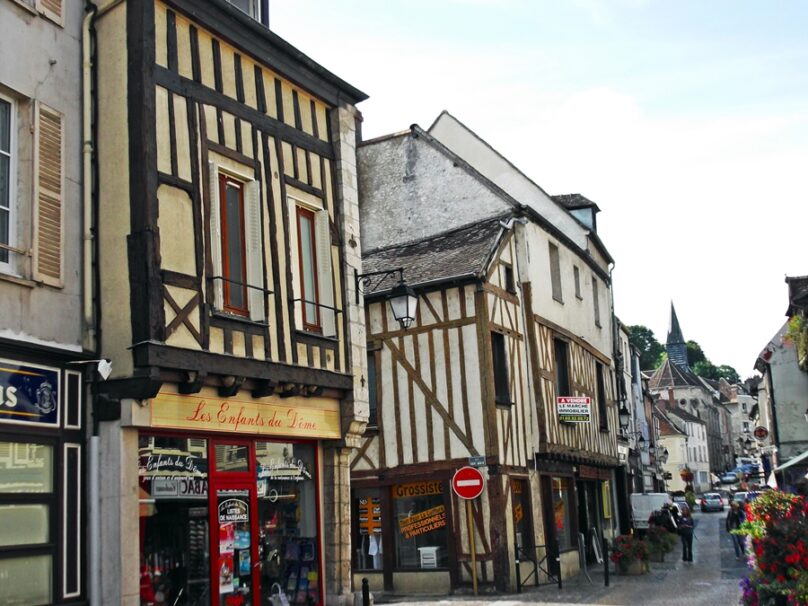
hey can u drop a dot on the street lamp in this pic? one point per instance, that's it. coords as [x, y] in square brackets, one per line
[402, 298]
[624, 416]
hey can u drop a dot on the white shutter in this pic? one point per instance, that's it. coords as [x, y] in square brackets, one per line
[252, 236]
[324, 277]
[48, 259]
[216, 235]
[51, 9]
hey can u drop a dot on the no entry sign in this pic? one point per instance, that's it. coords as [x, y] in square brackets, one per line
[467, 483]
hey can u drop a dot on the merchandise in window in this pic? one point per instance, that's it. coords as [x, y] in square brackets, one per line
[367, 526]
[562, 511]
[287, 521]
[520, 497]
[174, 523]
[420, 525]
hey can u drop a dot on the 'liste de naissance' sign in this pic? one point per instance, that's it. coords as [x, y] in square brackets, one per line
[319, 418]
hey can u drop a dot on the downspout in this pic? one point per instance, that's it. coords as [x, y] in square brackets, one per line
[90, 279]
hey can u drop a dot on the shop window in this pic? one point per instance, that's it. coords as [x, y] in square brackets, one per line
[562, 375]
[561, 494]
[500, 361]
[174, 522]
[367, 529]
[232, 457]
[420, 525]
[26, 501]
[235, 243]
[287, 521]
[596, 301]
[522, 522]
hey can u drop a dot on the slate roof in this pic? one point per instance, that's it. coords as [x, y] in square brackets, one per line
[462, 253]
[680, 412]
[797, 294]
[575, 201]
[673, 375]
[666, 427]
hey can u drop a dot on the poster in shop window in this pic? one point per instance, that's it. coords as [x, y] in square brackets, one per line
[29, 394]
[574, 409]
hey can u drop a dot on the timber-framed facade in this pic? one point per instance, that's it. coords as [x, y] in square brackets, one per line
[227, 222]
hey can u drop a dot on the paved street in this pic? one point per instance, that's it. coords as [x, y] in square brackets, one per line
[711, 580]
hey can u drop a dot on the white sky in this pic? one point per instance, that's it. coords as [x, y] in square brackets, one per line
[686, 122]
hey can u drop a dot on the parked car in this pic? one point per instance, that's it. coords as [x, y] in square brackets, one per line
[711, 501]
[729, 478]
[742, 496]
[643, 504]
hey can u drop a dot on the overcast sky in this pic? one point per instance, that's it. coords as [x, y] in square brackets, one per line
[685, 121]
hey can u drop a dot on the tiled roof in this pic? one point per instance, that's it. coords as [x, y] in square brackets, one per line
[673, 375]
[573, 201]
[680, 412]
[459, 253]
[666, 428]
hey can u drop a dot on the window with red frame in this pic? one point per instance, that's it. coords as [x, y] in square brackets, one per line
[307, 249]
[234, 255]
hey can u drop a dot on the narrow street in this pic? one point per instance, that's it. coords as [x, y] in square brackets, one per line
[711, 580]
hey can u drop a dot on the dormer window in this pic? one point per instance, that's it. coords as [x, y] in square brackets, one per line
[257, 9]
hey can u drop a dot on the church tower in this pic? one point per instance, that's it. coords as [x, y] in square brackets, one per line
[675, 345]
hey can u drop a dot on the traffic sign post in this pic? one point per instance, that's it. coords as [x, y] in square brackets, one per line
[468, 484]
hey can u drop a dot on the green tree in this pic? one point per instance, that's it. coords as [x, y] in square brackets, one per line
[695, 354]
[729, 373]
[701, 365]
[650, 349]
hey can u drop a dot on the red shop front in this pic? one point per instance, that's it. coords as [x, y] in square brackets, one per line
[229, 520]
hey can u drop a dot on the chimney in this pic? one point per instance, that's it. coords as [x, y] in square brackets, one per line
[671, 399]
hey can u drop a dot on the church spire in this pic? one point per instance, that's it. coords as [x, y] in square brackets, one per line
[675, 345]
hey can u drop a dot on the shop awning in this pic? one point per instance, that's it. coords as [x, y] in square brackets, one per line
[793, 461]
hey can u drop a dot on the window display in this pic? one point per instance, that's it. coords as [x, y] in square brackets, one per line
[562, 512]
[420, 518]
[287, 521]
[367, 527]
[520, 497]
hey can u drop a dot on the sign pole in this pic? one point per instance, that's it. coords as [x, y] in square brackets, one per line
[473, 544]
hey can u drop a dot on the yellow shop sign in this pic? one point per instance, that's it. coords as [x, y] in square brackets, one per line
[318, 418]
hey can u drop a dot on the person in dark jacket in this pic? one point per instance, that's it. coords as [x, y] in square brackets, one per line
[735, 518]
[686, 532]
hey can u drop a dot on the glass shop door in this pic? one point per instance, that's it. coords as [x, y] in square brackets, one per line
[233, 521]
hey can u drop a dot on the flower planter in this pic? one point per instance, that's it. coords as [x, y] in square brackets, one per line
[632, 568]
[656, 556]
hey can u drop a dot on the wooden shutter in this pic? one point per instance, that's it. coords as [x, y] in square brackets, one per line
[254, 250]
[48, 196]
[51, 9]
[324, 278]
[216, 235]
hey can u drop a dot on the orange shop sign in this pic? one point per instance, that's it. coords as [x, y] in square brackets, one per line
[271, 416]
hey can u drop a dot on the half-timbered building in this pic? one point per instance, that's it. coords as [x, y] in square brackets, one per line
[228, 223]
[477, 376]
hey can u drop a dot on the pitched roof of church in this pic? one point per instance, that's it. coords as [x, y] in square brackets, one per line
[670, 374]
[674, 332]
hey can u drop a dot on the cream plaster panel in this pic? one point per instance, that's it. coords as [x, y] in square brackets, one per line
[302, 355]
[474, 385]
[216, 344]
[181, 337]
[388, 412]
[316, 177]
[288, 104]
[322, 121]
[206, 59]
[305, 113]
[288, 160]
[269, 93]
[248, 75]
[228, 70]
[229, 122]
[421, 446]
[176, 224]
[258, 347]
[239, 348]
[181, 296]
[163, 136]
[182, 137]
[453, 301]
[211, 125]
[329, 191]
[113, 149]
[247, 139]
[184, 48]
[160, 34]
[302, 170]
[315, 357]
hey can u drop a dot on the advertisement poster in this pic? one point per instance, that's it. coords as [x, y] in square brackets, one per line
[29, 394]
[226, 573]
[574, 409]
[243, 563]
[227, 536]
[423, 522]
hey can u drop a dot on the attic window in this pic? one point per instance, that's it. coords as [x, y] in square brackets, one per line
[257, 9]
[510, 283]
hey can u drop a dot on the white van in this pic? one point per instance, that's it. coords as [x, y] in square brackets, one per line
[643, 504]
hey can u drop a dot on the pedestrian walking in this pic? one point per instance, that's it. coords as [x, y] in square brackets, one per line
[686, 533]
[735, 518]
